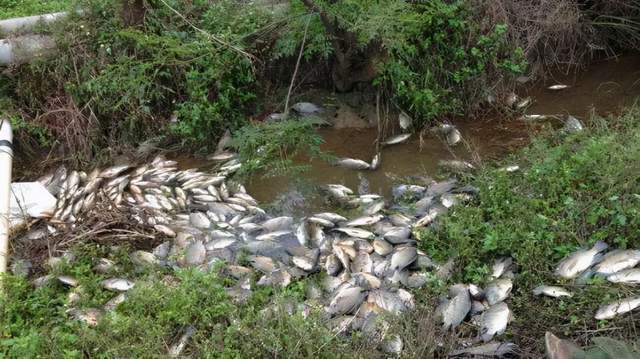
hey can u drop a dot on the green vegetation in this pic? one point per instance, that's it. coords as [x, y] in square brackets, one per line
[16, 8]
[571, 191]
[35, 323]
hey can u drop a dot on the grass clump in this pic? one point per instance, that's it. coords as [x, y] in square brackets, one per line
[17, 8]
[571, 191]
[34, 321]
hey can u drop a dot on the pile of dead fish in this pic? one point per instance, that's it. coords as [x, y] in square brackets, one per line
[371, 259]
[617, 266]
[486, 308]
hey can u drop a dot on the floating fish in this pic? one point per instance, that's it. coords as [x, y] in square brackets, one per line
[352, 164]
[397, 139]
[558, 87]
[306, 108]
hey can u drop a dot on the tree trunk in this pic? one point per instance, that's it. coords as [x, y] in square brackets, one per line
[133, 12]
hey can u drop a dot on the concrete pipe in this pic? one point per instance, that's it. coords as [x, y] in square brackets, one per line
[24, 24]
[6, 157]
[22, 49]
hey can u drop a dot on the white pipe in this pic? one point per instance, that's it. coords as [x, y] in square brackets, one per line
[28, 22]
[22, 49]
[6, 157]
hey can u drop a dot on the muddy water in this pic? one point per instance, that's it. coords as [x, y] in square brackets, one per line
[605, 86]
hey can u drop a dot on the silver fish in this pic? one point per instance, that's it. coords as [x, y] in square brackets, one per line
[199, 220]
[389, 301]
[494, 321]
[333, 217]
[118, 284]
[628, 276]
[616, 261]
[277, 224]
[551, 291]
[355, 232]
[346, 301]
[90, 316]
[524, 103]
[374, 208]
[404, 120]
[222, 156]
[498, 290]
[500, 266]
[392, 345]
[302, 234]
[456, 165]
[490, 350]
[456, 309]
[375, 162]
[113, 171]
[305, 263]
[176, 349]
[353, 164]
[306, 108]
[572, 125]
[113, 303]
[609, 311]
[68, 280]
[321, 221]
[263, 264]
[272, 235]
[333, 265]
[402, 258]
[558, 87]
[365, 221]
[397, 235]
[397, 139]
[382, 247]
[454, 137]
[195, 254]
[366, 280]
[580, 261]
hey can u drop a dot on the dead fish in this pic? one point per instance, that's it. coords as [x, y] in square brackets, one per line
[305, 263]
[302, 234]
[456, 309]
[117, 284]
[365, 221]
[176, 349]
[352, 164]
[374, 208]
[90, 316]
[616, 261]
[392, 345]
[557, 348]
[402, 258]
[551, 291]
[572, 125]
[195, 254]
[279, 278]
[306, 108]
[535, 117]
[580, 261]
[68, 280]
[338, 191]
[510, 169]
[415, 280]
[277, 224]
[199, 220]
[454, 137]
[500, 266]
[272, 235]
[263, 264]
[346, 301]
[397, 235]
[222, 156]
[113, 171]
[609, 311]
[498, 290]
[557, 87]
[165, 230]
[362, 263]
[524, 103]
[333, 265]
[404, 120]
[456, 165]
[333, 217]
[397, 139]
[382, 247]
[375, 162]
[355, 232]
[367, 281]
[143, 258]
[494, 321]
[491, 350]
[627, 276]
[321, 221]
[389, 301]
[113, 303]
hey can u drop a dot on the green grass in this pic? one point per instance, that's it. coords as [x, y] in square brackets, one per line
[571, 191]
[17, 8]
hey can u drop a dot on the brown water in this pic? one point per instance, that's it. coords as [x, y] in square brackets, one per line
[605, 87]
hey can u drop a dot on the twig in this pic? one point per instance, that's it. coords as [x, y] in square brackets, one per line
[209, 35]
[295, 71]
